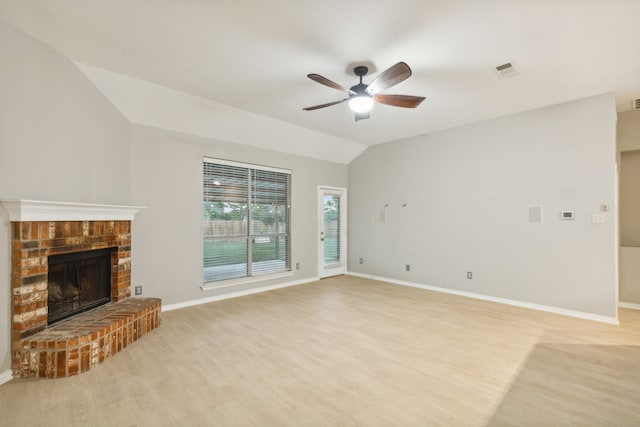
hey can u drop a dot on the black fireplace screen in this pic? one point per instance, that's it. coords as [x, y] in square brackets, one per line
[78, 282]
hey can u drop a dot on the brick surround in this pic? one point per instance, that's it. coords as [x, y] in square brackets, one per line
[40, 229]
[34, 241]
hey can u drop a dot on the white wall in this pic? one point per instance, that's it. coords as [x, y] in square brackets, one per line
[167, 235]
[466, 192]
[60, 139]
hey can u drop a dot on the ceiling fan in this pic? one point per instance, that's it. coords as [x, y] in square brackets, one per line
[362, 96]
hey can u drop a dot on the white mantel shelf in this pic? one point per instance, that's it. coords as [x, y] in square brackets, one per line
[38, 210]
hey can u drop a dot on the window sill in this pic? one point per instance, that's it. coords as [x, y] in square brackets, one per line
[209, 286]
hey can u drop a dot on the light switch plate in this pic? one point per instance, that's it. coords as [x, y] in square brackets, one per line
[598, 219]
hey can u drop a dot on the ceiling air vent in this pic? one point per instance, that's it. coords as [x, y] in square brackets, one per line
[635, 104]
[506, 70]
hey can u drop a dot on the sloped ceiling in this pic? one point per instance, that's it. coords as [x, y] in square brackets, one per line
[253, 56]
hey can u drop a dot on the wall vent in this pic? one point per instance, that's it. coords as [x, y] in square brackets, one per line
[635, 104]
[507, 69]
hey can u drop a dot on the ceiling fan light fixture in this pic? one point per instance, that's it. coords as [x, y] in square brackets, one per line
[362, 96]
[361, 103]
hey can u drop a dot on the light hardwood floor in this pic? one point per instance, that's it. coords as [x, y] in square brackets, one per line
[348, 351]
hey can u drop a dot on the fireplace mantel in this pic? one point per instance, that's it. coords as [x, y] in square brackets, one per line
[38, 210]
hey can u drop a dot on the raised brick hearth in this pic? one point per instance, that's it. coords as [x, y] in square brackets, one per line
[79, 344]
[75, 345]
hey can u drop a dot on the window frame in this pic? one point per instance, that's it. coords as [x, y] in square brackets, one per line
[252, 274]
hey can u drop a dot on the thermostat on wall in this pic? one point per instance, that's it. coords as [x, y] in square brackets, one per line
[567, 215]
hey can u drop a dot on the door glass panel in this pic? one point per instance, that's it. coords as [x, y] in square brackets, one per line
[331, 229]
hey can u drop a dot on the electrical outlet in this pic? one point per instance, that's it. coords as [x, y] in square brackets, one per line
[361, 261]
[138, 290]
[297, 266]
[408, 267]
[469, 275]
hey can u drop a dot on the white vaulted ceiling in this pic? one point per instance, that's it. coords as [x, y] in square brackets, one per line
[254, 55]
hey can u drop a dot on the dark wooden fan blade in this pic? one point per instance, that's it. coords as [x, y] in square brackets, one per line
[389, 77]
[325, 81]
[329, 104]
[406, 101]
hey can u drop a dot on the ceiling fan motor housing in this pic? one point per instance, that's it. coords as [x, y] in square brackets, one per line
[358, 90]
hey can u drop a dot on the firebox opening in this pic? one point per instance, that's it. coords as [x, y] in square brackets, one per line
[78, 282]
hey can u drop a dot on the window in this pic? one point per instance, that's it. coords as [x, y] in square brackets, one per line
[246, 220]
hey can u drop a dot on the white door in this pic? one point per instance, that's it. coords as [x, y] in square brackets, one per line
[332, 231]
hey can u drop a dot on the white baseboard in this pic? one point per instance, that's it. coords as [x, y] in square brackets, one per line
[524, 304]
[630, 305]
[236, 294]
[6, 376]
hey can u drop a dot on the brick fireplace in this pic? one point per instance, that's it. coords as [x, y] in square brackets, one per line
[47, 229]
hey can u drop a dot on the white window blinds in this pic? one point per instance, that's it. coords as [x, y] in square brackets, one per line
[246, 220]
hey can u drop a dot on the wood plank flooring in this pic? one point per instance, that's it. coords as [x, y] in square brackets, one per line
[349, 351]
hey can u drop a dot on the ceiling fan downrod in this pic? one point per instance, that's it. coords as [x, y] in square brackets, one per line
[360, 88]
